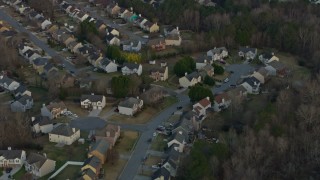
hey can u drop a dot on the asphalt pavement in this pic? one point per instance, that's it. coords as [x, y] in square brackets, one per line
[239, 70]
[43, 45]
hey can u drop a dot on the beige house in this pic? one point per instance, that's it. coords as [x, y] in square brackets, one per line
[159, 74]
[173, 40]
[218, 53]
[64, 134]
[39, 165]
[54, 109]
[111, 134]
[190, 79]
[100, 150]
[130, 106]
[12, 158]
[261, 75]
[267, 57]
[91, 168]
[221, 102]
[41, 124]
[151, 27]
[178, 141]
[93, 101]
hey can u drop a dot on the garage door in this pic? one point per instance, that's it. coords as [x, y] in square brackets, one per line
[99, 107]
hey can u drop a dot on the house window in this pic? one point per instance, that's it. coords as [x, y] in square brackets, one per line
[17, 160]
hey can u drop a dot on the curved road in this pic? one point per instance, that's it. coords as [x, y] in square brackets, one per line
[43, 45]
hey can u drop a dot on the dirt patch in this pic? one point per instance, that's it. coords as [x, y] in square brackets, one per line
[126, 142]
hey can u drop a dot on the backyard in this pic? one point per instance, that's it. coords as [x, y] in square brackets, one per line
[158, 143]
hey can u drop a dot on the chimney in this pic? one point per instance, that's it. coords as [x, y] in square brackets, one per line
[44, 154]
[180, 132]
[177, 28]
[43, 105]
[73, 130]
[92, 94]
[107, 133]
[114, 61]
[272, 53]
[137, 97]
[139, 15]
[205, 61]
[208, 98]
[32, 119]
[9, 148]
[87, 51]
[131, 8]
[185, 73]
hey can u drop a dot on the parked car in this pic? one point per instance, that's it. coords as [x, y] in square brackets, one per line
[154, 134]
[226, 80]
[116, 110]
[8, 170]
[179, 107]
[155, 166]
[232, 85]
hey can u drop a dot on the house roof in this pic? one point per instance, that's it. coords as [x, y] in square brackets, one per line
[6, 80]
[205, 102]
[159, 69]
[202, 59]
[41, 120]
[93, 162]
[171, 162]
[92, 98]
[162, 172]
[192, 75]
[99, 23]
[112, 129]
[218, 50]
[131, 66]
[252, 81]
[63, 130]
[180, 136]
[40, 61]
[130, 102]
[89, 173]
[8, 33]
[21, 89]
[37, 159]
[33, 14]
[220, 97]
[56, 105]
[267, 55]
[48, 67]
[101, 145]
[263, 71]
[11, 154]
[110, 36]
[277, 65]
[24, 99]
[105, 62]
[173, 37]
[247, 49]
[148, 24]
[29, 53]
[208, 67]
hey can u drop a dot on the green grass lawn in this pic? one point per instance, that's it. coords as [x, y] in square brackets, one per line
[168, 101]
[158, 143]
[126, 142]
[5, 97]
[20, 173]
[70, 172]
[1, 171]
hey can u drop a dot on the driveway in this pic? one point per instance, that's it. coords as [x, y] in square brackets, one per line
[36, 41]
[238, 71]
[13, 171]
[94, 113]
[88, 123]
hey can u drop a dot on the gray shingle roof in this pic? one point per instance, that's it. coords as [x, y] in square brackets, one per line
[41, 120]
[37, 159]
[40, 61]
[130, 102]
[131, 65]
[218, 50]
[92, 98]
[21, 89]
[63, 130]
[252, 81]
[247, 49]
[93, 162]
[101, 146]
[6, 80]
[162, 172]
[192, 75]
[24, 99]
[11, 154]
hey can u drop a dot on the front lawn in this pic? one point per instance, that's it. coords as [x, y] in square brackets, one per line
[168, 101]
[140, 118]
[126, 142]
[112, 171]
[20, 174]
[153, 160]
[158, 143]
[5, 97]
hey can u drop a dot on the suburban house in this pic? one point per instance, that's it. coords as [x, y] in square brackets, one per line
[173, 40]
[64, 134]
[112, 31]
[262, 75]
[157, 44]
[268, 57]
[202, 61]
[208, 69]
[39, 165]
[276, 68]
[247, 53]
[218, 53]
[132, 46]
[130, 106]
[161, 174]
[159, 74]
[252, 85]
[45, 24]
[53, 110]
[171, 163]
[39, 63]
[221, 102]
[22, 104]
[99, 149]
[93, 101]
[12, 158]
[66, 39]
[100, 25]
[112, 39]
[91, 168]
[111, 135]
[178, 141]
[94, 58]
[20, 91]
[171, 31]
[202, 106]
[113, 9]
[190, 79]
[131, 68]
[108, 66]
[49, 68]
[151, 27]
[8, 83]
[41, 124]
[23, 48]
[74, 46]
[31, 55]
[81, 16]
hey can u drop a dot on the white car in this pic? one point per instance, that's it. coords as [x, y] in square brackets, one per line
[155, 166]
[154, 134]
[226, 80]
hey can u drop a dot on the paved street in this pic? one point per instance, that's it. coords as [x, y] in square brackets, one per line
[142, 146]
[110, 22]
[238, 71]
[36, 41]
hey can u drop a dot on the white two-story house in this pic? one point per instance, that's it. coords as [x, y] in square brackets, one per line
[190, 79]
[130, 106]
[93, 101]
[131, 68]
[12, 158]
